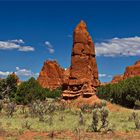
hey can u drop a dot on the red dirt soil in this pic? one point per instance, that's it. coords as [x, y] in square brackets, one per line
[77, 135]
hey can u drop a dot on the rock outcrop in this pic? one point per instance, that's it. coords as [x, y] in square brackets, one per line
[130, 71]
[51, 75]
[83, 72]
[133, 70]
[117, 78]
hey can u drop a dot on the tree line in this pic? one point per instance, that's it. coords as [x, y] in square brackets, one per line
[26, 91]
[125, 93]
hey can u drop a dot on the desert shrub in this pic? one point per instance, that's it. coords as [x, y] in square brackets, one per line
[50, 112]
[81, 119]
[61, 106]
[29, 91]
[104, 116]
[135, 118]
[10, 109]
[38, 109]
[87, 108]
[8, 86]
[125, 92]
[51, 108]
[26, 125]
[23, 109]
[50, 119]
[2, 88]
[95, 120]
[41, 109]
[62, 117]
[1, 105]
[100, 119]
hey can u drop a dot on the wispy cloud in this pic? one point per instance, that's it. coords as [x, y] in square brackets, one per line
[17, 41]
[49, 47]
[119, 47]
[103, 75]
[19, 72]
[16, 44]
[69, 35]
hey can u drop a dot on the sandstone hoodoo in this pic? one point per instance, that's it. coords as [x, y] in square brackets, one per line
[83, 72]
[51, 75]
[130, 71]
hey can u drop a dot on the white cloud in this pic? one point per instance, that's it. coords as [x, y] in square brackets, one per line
[17, 68]
[49, 47]
[3, 74]
[25, 72]
[26, 48]
[15, 44]
[119, 47]
[103, 75]
[20, 72]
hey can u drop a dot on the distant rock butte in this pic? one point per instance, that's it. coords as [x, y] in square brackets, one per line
[117, 78]
[51, 75]
[133, 70]
[83, 73]
[130, 71]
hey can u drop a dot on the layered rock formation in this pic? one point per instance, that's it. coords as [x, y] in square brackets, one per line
[51, 75]
[83, 78]
[130, 71]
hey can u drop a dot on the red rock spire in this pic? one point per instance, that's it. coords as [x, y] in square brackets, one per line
[83, 71]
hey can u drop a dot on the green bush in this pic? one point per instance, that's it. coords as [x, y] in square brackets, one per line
[126, 92]
[54, 93]
[29, 91]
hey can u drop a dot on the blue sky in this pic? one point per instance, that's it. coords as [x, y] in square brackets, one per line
[31, 32]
